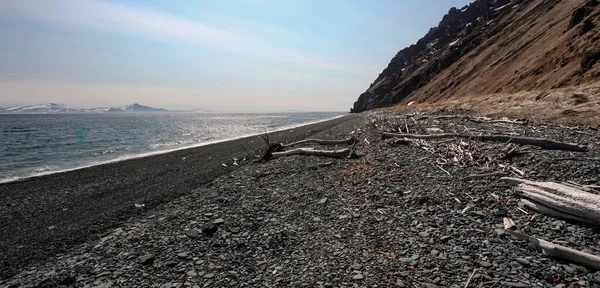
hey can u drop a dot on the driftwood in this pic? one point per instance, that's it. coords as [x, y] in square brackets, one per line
[348, 141]
[541, 142]
[541, 208]
[558, 251]
[313, 152]
[564, 201]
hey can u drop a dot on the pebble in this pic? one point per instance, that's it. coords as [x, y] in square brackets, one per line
[485, 264]
[219, 221]
[209, 275]
[171, 263]
[323, 200]
[192, 233]
[316, 219]
[358, 277]
[182, 255]
[146, 259]
[356, 266]
[523, 262]
[192, 273]
[424, 234]
[515, 285]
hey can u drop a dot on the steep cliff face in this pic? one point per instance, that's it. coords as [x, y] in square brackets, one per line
[493, 46]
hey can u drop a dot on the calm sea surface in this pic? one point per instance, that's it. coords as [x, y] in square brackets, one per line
[44, 143]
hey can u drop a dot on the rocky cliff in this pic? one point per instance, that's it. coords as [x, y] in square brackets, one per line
[493, 46]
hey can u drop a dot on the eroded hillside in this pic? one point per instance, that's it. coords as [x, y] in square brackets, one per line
[494, 47]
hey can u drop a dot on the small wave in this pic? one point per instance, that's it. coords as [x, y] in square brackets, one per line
[49, 170]
[18, 130]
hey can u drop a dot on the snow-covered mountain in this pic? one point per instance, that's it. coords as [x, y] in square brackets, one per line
[61, 108]
[136, 108]
[42, 108]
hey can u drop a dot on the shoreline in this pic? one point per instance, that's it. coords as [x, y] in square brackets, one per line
[398, 215]
[126, 157]
[46, 215]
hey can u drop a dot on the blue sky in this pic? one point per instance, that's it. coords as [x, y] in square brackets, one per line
[239, 55]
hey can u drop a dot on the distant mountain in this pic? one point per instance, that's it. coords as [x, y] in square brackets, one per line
[61, 108]
[136, 108]
[42, 108]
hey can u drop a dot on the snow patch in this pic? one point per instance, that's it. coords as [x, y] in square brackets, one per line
[454, 42]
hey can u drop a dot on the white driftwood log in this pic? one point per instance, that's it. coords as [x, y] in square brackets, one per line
[558, 251]
[313, 152]
[348, 141]
[541, 208]
[562, 198]
[540, 142]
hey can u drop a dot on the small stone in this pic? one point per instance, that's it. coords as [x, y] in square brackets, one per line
[355, 215]
[51, 227]
[68, 281]
[146, 259]
[316, 219]
[424, 234]
[358, 277]
[499, 232]
[569, 269]
[171, 263]
[444, 238]
[399, 283]
[182, 255]
[485, 264]
[342, 217]
[323, 200]
[209, 275]
[192, 273]
[515, 284]
[356, 266]
[219, 221]
[523, 262]
[435, 253]
[192, 233]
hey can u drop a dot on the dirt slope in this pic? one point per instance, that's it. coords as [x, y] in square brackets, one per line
[494, 48]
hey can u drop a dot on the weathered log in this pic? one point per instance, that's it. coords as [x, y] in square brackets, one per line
[540, 142]
[569, 191]
[348, 141]
[558, 251]
[543, 209]
[313, 152]
[560, 197]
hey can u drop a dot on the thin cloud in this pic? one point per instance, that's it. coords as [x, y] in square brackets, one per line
[112, 17]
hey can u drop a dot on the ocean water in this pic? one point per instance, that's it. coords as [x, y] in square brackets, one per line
[37, 144]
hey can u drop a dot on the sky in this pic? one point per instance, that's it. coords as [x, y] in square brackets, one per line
[227, 55]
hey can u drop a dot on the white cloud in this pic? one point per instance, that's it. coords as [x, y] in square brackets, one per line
[152, 24]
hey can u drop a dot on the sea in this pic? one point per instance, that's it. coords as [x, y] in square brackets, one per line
[39, 144]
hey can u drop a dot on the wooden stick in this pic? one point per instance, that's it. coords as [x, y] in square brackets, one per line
[540, 142]
[322, 142]
[471, 278]
[558, 251]
[313, 152]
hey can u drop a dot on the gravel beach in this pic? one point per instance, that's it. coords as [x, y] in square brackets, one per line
[398, 215]
[42, 216]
